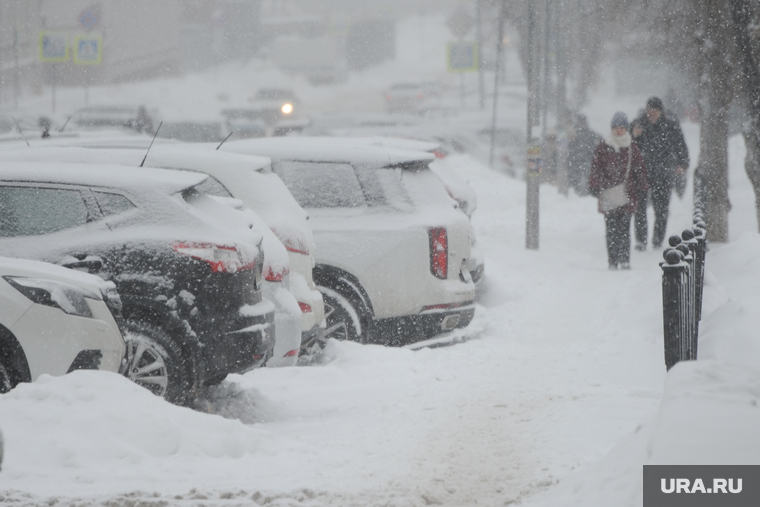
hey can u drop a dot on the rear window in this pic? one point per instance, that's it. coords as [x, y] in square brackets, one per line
[112, 204]
[32, 211]
[213, 186]
[322, 185]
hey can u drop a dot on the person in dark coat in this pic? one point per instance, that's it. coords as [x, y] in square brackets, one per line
[580, 152]
[610, 167]
[667, 158]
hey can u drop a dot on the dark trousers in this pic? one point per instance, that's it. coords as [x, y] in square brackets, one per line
[618, 224]
[660, 194]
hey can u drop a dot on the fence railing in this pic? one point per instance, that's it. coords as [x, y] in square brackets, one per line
[683, 274]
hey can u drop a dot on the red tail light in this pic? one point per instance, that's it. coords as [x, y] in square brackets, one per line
[293, 242]
[222, 259]
[440, 153]
[292, 353]
[275, 276]
[304, 307]
[439, 252]
[296, 250]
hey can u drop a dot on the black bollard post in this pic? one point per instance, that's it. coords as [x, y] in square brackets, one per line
[700, 235]
[674, 309]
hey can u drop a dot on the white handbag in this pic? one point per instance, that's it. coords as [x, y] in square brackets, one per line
[615, 197]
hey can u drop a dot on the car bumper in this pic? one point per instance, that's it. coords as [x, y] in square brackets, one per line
[52, 340]
[246, 343]
[427, 324]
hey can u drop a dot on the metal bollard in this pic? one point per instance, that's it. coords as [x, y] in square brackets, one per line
[675, 308]
[700, 235]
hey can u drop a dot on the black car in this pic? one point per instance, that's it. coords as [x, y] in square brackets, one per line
[188, 272]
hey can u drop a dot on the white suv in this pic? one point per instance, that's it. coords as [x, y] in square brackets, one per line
[53, 321]
[392, 249]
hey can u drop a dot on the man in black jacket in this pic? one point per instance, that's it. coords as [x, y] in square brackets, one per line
[661, 142]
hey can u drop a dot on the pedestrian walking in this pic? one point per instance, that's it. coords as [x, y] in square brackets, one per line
[580, 152]
[618, 176]
[666, 157]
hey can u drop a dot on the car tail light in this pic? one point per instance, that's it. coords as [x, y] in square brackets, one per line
[440, 153]
[304, 307]
[273, 275]
[439, 252]
[292, 353]
[222, 259]
[304, 251]
[293, 242]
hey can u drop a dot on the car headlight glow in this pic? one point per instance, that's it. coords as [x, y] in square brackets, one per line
[65, 297]
[287, 108]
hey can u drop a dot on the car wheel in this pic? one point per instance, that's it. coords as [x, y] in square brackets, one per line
[341, 316]
[156, 362]
[6, 384]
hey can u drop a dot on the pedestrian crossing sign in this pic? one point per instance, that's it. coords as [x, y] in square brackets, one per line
[88, 50]
[54, 47]
[463, 56]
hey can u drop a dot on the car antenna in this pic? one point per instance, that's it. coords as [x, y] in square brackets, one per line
[20, 131]
[228, 136]
[64, 125]
[151, 144]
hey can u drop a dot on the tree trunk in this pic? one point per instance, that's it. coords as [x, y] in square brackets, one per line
[750, 75]
[715, 91]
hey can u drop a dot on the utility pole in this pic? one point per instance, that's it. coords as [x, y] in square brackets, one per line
[481, 84]
[533, 169]
[500, 38]
[563, 122]
[16, 86]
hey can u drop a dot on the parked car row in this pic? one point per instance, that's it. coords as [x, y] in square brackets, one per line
[221, 260]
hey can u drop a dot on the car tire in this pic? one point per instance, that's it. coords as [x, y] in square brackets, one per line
[6, 384]
[343, 318]
[156, 362]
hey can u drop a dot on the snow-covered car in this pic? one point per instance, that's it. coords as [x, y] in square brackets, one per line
[412, 97]
[456, 185]
[392, 250]
[194, 131]
[239, 181]
[188, 272]
[55, 320]
[138, 118]
[275, 104]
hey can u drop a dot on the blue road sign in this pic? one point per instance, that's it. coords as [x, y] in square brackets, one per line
[88, 50]
[88, 19]
[54, 47]
[463, 56]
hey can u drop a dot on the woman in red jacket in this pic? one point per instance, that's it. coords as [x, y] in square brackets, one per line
[617, 161]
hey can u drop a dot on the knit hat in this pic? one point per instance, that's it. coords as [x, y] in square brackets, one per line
[654, 103]
[619, 119]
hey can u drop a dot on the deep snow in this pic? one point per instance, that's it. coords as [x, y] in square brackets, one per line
[564, 361]
[556, 394]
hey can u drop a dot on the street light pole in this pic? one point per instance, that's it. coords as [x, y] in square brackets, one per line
[532, 173]
[500, 37]
[479, 28]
